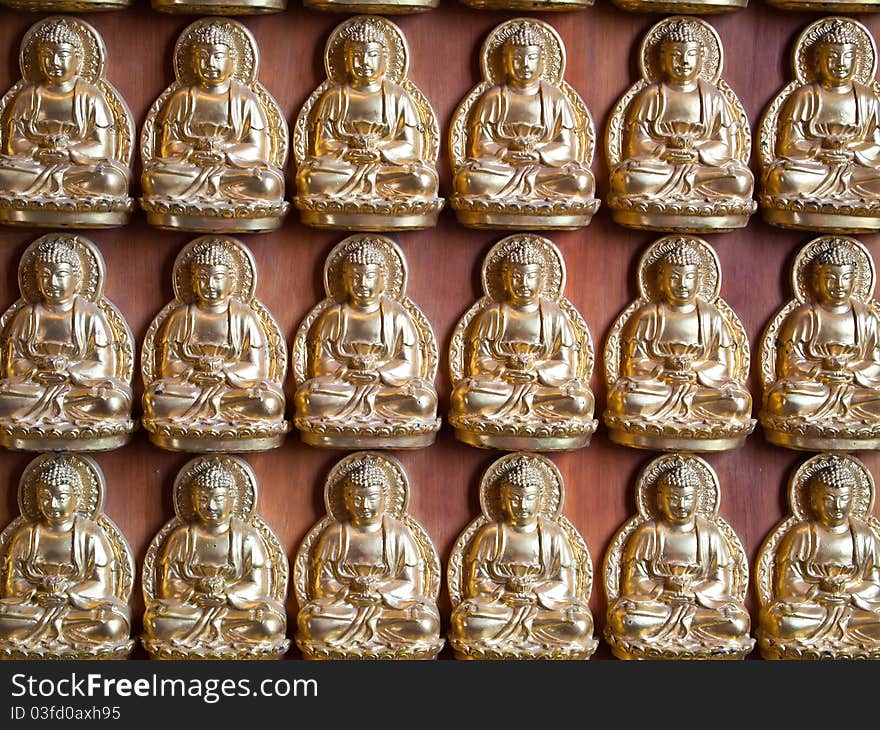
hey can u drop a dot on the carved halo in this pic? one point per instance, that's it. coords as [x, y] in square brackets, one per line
[244, 496]
[89, 498]
[245, 271]
[396, 493]
[552, 492]
[395, 265]
[492, 61]
[94, 51]
[865, 275]
[713, 55]
[646, 486]
[395, 42]
[863, 493]
[866, 56]
[246, 57]
[710, 268]
[91, 285]
[553, 283]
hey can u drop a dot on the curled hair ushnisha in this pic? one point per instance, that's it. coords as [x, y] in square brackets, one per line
[213, 253]
[838, 33]
[521, 474]
[58, 251]
[364, 474]
[524, 252]
[835, 256]
[682, 32]
[212, 474]
[523, 34]
[833, 475]
[213, 34]
[681, 253]
[680, 475]
[59, 31]
[365, 253]
[365, 32]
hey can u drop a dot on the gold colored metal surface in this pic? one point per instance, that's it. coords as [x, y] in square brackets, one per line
[67, 570]
[214, 144]
[520, 575]
[380, 7]
[215, 576]
[818, 572]
[698, 7]
[365, 358]
[367, 575]
[677, 358]
[66, 6]
[820, 354]
[676, 574]
[521, 358]
[828, 6]
[220, 7]
[521, 142]
[539, 6]
[820, 145]
[67, 354]
[67, 135]
[366, 140]
[214, 359]
[678, 141]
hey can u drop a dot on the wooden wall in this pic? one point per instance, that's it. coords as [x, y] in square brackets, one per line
[444, 270]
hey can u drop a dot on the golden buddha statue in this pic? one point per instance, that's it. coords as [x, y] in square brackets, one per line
[820, 136]
[67, 571]
[818, 572]
[521, 358]
[66, 354]
[676, 574]
[367, 575]
[678, 141]
[520, 575]
[214, 144]
[521, 142]
[820, 354]
[365, 358]
[214, 359]
[366, 140]
[215, 576]
[677, 358]
[66, 137]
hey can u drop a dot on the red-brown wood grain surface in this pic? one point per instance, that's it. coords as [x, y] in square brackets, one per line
[444, 263]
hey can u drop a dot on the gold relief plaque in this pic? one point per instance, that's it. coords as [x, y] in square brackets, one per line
[521, 142]
[214, 359]
[820, 136]
[520, 574]
[521, 358]
[215, 576]
[365, 358]
[214, 144]
[677, 358]
[820, 354]
[542, 6]
[676, 574]
[818, 572]
[366, 140]
[66, 571]
[67, 354]
[367, 575]
[219, 7]
[678, 141]
[67, 135]
[382, 7]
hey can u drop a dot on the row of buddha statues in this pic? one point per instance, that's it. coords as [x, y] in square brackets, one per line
[364, 359]
[214, 145]
[366, 577]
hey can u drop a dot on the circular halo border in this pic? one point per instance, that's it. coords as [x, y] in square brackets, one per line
[396, 271]
[713, 57]
[396, 495]
[863, 288]
[554, 50]
[554, 275]
[552, 494]
[91, 285]
[90, 499]
[247, 55]
[398, 50]
[245, 497]
[801, 60]
[245, 274]
[646, 484]
[710, 269]
[94, 50]
[863, 494]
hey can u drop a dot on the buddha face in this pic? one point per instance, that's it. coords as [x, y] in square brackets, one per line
[363, 282]
[677, 502]
[833, 284]
[831, 503]
[59, 62]
[523, 64]
[522, 282]
[679, 284]
[212, 63]
[835, 63]
[520, 502]
[57, 281]
[365, 503]
[212, 283]
[681, 61]
[366, 62]
[212, 503]
[57, 501]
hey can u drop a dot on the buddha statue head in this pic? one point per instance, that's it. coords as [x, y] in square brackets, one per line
[365, 50]
[522, 272]
[58, 489]
[364, 492]
[681, 53]
[830, 492]
[213, 54]
[833, 274]
[678, 273]
[677, 493]
[59, 52]
[834, 55]
[520, 490]
[212, 269]
[212, 489]
[523, 55]
[363, 272]
[58, 270]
